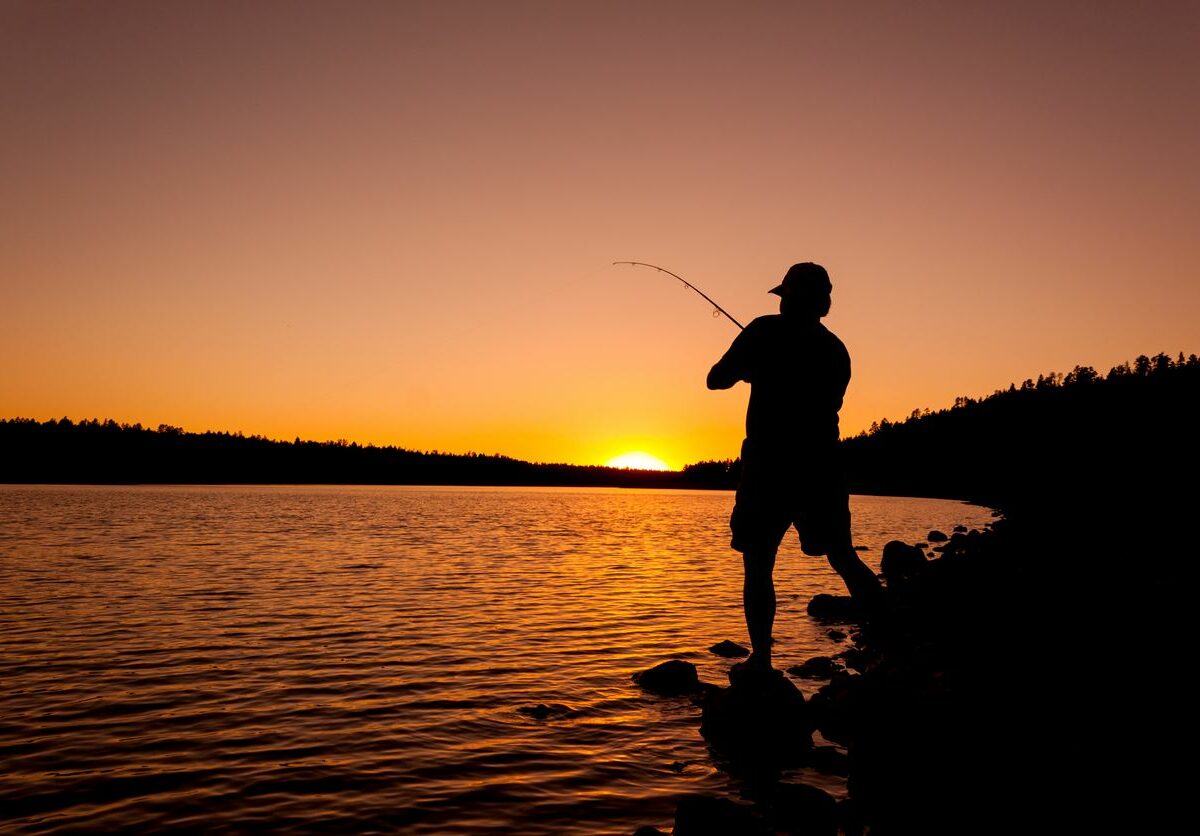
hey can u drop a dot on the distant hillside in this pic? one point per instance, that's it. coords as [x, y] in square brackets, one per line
[1081, 430]
[1060, 432]
[1078, 431]
[94, 451]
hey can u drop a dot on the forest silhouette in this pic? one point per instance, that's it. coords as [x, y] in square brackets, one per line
[1015, 445]
[1028, 443]
[95, 451]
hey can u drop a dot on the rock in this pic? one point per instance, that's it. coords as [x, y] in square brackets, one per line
[901, 562]
[936, 536]
[541, 711]
[839, 708]
[834, 608]
[818, 667]
[862, 548]
[850, 818]
[835, 634]
[670, 679]
[805, 809]
[921, 545]
[677, 766]
[705, 815]
[854, 658]
[955, 547]
[760, 719]
[729, 650]
[960, 529]
[830, 760]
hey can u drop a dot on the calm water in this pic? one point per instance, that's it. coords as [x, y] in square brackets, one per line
[354, 658]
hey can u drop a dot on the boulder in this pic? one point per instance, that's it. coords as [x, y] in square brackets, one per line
[670, 679]
[836, 634]
[830, 760]
[854, 657]
[850, 818]
[936, 536]
[729, 650]
[841, 608]
[901, 562]
[706, 815]
[960, 529]
[805, 810]
[839, 708]
[761, 719]
[818, 667]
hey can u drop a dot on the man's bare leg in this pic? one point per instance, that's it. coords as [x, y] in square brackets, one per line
[861, 582]
[758, 598]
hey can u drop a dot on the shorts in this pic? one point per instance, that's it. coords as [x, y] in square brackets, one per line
[779, 491]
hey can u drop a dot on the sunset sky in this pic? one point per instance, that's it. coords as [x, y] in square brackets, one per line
[395, 222]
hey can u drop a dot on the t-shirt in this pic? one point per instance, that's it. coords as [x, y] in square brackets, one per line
[798, 372]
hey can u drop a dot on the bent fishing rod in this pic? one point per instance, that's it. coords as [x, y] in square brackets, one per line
[687, 284]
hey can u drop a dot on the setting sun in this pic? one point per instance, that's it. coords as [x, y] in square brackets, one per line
[638, 461]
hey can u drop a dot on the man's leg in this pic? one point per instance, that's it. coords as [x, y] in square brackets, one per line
[826, 528]
[758, 599]
[758, 524]
[863, 585]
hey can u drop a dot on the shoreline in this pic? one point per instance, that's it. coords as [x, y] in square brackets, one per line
[938, 742]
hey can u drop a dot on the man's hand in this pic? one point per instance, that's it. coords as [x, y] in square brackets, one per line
[734, 365]
[720, 378]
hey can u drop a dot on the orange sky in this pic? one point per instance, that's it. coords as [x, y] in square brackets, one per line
[394, 222]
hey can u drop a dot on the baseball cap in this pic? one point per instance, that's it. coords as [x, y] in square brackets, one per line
[804, 277]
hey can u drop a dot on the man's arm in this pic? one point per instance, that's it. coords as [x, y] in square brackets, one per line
[734, 365]
[720, 377]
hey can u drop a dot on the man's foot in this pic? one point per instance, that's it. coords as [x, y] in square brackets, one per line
[757, 661]
[875, 606]
[756, 668]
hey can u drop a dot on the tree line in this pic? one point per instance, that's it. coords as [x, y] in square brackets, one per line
[1016, 442]
[105, 451]
[1026, 443]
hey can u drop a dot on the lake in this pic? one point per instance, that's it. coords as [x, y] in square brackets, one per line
[353, 659]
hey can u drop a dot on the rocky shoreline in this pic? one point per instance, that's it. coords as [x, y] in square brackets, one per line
[928, 737]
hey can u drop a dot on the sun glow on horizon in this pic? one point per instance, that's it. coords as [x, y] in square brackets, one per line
[638, 461]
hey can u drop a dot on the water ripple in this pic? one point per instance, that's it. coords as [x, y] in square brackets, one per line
[356, 659]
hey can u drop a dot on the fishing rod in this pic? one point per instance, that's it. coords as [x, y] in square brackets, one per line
[686, 283]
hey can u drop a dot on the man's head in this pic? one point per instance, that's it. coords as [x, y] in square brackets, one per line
[805, 291]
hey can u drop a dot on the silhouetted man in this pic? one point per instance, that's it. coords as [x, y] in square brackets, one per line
[798, 372]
